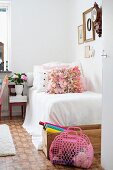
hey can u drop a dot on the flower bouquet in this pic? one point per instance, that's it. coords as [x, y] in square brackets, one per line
[18, 78]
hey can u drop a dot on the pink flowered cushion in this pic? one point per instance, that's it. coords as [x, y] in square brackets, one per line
[75, 84]
[58, 81]
[65, 80]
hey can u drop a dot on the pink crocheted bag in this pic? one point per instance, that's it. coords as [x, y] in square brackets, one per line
[72, 147]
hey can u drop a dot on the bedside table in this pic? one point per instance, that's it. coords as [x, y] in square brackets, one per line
[16, 100]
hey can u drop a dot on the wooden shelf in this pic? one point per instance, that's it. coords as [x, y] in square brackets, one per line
[5, 71]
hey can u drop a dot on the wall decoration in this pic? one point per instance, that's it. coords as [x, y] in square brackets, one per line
[97, 19]
[88, 26]
[80, 34]
[87, 51]
[92, 52]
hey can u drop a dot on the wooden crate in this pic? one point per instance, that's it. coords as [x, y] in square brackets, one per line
[92, 131]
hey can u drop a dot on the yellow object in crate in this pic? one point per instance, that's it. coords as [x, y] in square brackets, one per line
[52, 130]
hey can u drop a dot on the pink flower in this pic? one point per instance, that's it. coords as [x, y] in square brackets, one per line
[56, 91]
[24, 77]
[53, 85]
[65, 83]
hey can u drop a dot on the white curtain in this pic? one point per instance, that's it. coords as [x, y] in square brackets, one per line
[4, 31]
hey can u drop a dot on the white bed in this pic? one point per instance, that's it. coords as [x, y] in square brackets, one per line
[64, 109]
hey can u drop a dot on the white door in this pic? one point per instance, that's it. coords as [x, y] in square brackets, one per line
[107, 115]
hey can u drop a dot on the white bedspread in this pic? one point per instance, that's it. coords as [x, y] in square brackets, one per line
[64, 109]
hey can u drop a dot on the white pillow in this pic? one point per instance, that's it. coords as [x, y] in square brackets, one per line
[53, 65]
[50, 65]
[40, 78]
[92, 71]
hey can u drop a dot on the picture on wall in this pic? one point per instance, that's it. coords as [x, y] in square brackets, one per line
[80, 34]
[87, 51]
[88, 26]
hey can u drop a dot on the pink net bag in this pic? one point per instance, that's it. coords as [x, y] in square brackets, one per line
[73, 148]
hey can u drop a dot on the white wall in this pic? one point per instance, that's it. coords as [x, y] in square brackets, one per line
[47, 30]
[79, 8]
[40, 33]
[78, 50]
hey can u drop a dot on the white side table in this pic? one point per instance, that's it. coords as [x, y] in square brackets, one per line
[17, 101]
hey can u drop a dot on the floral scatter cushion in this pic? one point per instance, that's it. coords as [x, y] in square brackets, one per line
[58, 81]
[65, 80]
[75, 84]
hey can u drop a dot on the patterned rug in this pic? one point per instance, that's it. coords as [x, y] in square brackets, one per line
[6, 142]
